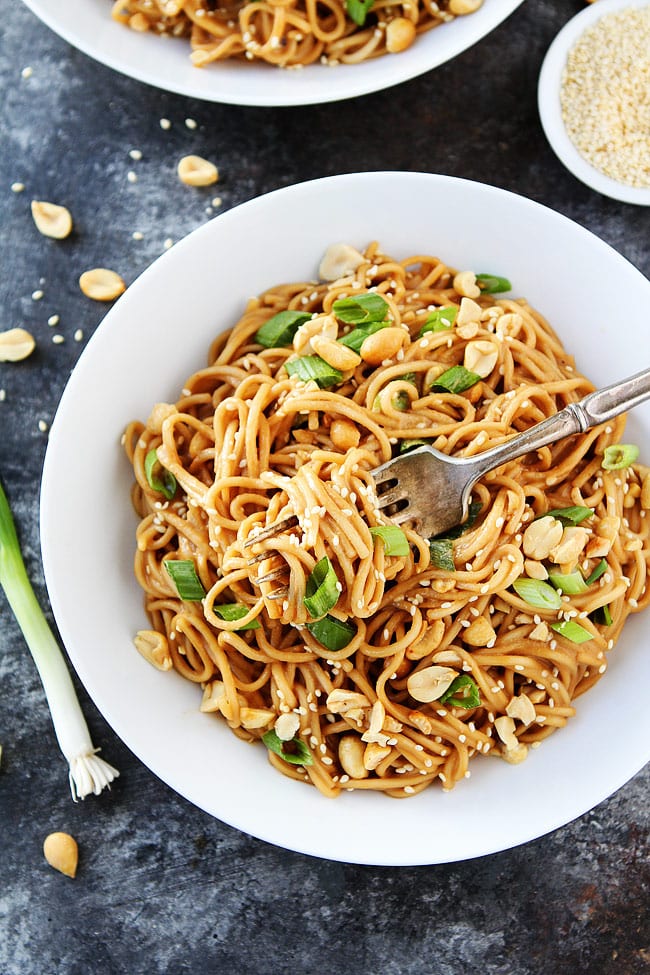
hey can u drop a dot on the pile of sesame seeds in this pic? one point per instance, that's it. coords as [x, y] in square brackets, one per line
[605, 96]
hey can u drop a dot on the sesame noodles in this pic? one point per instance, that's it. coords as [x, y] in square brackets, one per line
[290, 33]
[420, 655]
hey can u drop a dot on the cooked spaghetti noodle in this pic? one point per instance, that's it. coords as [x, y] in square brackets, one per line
[290, 33]
[423, 654]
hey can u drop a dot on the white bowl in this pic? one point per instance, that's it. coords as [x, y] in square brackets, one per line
[155, 336]
[165, 63]
[550, 111]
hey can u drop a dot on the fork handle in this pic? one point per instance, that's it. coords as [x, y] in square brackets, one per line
[596, 408]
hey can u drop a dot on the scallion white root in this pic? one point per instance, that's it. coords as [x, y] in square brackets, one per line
[88, 773]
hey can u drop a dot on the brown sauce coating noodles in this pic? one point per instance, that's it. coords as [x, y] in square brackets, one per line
[249, 445]
[287, 33]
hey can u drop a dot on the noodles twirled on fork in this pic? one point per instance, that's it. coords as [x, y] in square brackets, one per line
[424, 654]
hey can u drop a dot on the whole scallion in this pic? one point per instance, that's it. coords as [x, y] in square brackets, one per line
[88, 773]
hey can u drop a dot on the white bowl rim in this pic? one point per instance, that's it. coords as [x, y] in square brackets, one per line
[548, 98]
[164, 63]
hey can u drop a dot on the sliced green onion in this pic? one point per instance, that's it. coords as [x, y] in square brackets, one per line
[322, 589]
[439, 320]
[441, 552]
[535, 592]
[158, 477]
[618, 456]
[308, 367]
[331, 633]
[394, 539]
[493, 284]
[279, 330]
[361, 309]
[87, 772]
[571, 583]
[406, 445]
[573, 515]
[183, 574]
[602, 616]
[572, 631]
[355, 339]
[462, 693]
[456, 380]
[600, 570]
[358, 9]
[295, 752]
[472, 514]
[235, 611]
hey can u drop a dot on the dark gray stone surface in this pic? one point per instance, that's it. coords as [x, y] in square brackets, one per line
[162, 887]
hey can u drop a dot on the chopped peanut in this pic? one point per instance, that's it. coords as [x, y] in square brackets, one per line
[351, 756]
[153, 646]
[51, 219]
[101, 284]
[339, 261]
[481, 357]
[430, 683]
[16, 344]
[521, 707]
[336, 355]
[541, 536]
[196, 171]
[400, 34]
[344, 434]
[479, 633]
[382, 345]
[465, 284]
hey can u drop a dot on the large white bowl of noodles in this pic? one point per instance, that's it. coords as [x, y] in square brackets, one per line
[155, 336]
[165, 62]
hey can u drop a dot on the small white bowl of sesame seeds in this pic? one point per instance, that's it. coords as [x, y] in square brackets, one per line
[593, 98]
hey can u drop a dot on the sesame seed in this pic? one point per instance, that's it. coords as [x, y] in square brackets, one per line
[17, 187]
[58, 339]
[135, 154]
[3, 395]
[190, 123]
[132, 177]
[137, 235]
[42, 426]
[165, 124]
[27, 72]
[37, 295]
[78, 335]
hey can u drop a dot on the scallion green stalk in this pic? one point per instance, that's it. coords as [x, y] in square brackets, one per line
[88, 773]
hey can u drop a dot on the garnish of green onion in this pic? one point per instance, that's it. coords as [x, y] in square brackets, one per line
[394, 539]
[455, 380]
[357, 10]
[322, 589]
[441, 552]
[295, 752]
[493, 284]
[535, 592]
[158, 477]
[572, 631]
[571, 583]
[618, 456]
[361, 309]
[355, 339]
[600, 570]
[573, 515]
[87, 772]
[279, 330]
[406, 445]
[184, 576]
[462, 693]
[439, 320]
[602, 616]
[308, 367]
[235, 611]
[331, 633]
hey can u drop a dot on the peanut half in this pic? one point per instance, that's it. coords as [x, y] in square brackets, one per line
[16, 344]
[101, 284]
[62, 853]
[51, 219]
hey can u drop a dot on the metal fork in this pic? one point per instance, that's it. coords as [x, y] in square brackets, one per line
[432, 490]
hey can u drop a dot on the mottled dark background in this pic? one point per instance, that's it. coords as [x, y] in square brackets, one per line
[162, 887]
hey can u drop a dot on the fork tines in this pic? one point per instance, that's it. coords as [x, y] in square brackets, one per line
[272, 531]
